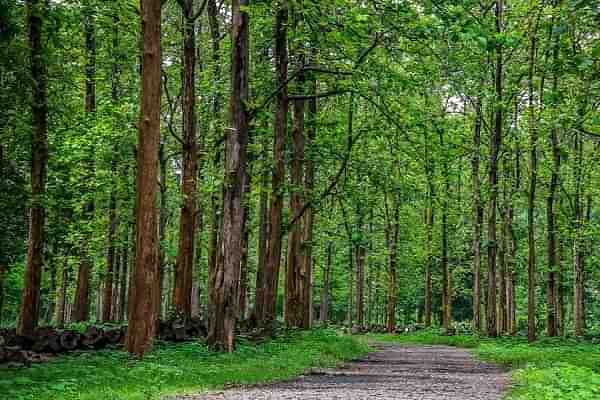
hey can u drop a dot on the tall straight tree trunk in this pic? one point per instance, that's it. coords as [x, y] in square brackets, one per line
[278, 176]
[477, 217]
[124, 278]
[62, 293]
[308, 222]
[495, 143]
[163, 216]
[144, 299]
[50, 311]
[531, 257]
[552, 306]
[429, 220]
[360, 285]
[182, 297]
[446, 275]
[112, 257]
[393, 231]
[296, 295]
[324, 306]
[222, 321]
[244, 273]
[259, 300]
[560, 289]
[82, 295]
[577, 252]
[215, 204]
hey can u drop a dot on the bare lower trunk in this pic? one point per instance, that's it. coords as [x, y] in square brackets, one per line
[495, 143]
[296, 295]
[477, 218]
[144, 298]
[182, 298]
[30, 300]
[324, 307]
[360, 285]
[221, 335]
[280, 129]
[259, 300]
[393, 233]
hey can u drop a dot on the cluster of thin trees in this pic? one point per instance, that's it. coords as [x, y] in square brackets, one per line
[139, 294]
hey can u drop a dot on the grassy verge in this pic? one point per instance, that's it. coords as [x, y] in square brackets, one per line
[550, 369]
[170, 369]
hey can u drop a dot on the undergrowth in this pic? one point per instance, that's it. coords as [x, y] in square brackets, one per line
[171, 368]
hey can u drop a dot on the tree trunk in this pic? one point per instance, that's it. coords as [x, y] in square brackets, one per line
[308, 223]
[243, 282]
[446, 275]
[577, 254]
[110, 258]
[495, 143]
[221, 333]
[324, 306]
[477, 217]
[124, 278]
[259, 300]
[182, 298]
[360, 285]
[429, 220]
[296, 293]
[271, 275]
[144, 299]
[393, 233]
[531, 257]
[30, 300]
[62, 294]
[82, 296]
[552, 319]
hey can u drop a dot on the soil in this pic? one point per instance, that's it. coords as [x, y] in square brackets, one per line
[399, 372]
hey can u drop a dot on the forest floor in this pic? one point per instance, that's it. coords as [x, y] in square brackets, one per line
[177, 368]
[394, 371]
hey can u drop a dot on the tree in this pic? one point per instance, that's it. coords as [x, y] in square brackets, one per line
[144, 296]
[224, 312]
[29, 312]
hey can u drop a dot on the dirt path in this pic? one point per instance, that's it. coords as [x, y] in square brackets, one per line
[392, 372]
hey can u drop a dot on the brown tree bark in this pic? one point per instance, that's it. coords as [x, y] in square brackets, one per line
[214, 240]
[324, 306]
[81, 307]
[259, 300]
[182, 294]
[477, 216]
[495, 143]
[111, 256]
[296, 295]
[392, 233]
[244, 273]
[30, 299]
[577, 252]
[429, 220]
[144, 299]
[224, 314]
[309, 215]
[531, 256]
[446, 274]
[360, 285]
[278, 175]
[552, 306]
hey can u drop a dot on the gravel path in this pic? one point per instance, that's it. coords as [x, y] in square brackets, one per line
[392, 372]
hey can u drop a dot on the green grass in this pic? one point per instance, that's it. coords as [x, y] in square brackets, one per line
[170, 369]
[550, 369]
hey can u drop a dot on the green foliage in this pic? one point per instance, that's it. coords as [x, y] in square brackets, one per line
[183, 368]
